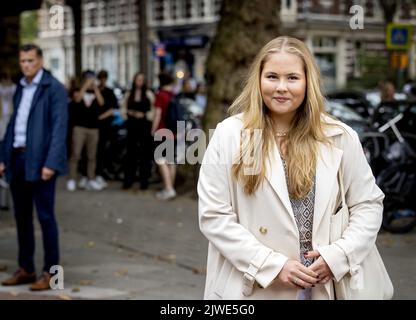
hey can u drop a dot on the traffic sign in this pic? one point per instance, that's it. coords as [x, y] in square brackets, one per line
[399, 36]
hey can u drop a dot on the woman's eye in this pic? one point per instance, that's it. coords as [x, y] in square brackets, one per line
[293, 78]
[271, 76]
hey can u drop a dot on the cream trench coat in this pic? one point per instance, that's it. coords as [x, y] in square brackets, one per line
[251, 237]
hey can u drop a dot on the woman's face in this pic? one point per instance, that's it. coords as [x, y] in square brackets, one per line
[283, 83]
[139, 81]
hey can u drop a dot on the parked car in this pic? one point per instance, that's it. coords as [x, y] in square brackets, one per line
[347, 115]
[373, 96]
[363, 102]
[356, 100]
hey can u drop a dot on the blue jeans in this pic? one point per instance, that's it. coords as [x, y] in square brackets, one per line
[42, 194]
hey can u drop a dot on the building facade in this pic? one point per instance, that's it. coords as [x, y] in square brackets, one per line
[343, 53]
[180, 31]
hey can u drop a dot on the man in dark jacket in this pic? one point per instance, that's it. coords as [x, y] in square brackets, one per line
[32, 156]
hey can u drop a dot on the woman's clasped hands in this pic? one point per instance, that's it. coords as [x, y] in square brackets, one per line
[295, 275]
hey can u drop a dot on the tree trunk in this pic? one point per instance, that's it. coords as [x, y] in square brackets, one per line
[389, 10]
[77, 15]
[245, 26]
[143, 37]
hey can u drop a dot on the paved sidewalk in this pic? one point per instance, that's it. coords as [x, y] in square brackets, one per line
[118, 245]
[127, 245]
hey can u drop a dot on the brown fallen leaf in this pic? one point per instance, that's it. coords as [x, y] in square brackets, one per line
[121, 272]
[76, 289]
[3, 268]
[201, 270]
[64, 297]
[86, 282]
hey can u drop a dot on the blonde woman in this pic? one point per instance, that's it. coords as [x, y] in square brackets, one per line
[268, 186]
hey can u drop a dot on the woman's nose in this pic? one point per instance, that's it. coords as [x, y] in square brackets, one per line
[281, 85]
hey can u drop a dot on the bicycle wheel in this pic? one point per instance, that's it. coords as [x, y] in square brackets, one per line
[398, 184]
[397, 217]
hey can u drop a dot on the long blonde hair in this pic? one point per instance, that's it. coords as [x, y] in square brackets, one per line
[305, 131]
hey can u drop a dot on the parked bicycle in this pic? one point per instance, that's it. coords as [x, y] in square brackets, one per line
[398, 177]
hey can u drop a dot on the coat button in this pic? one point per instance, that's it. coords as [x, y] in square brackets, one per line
[263, 230]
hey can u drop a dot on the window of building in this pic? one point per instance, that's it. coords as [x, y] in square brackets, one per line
[173, 10]
[93, 17]
[101, 13]
[67, 17]
[158, 10]
[124, 12]
[110, 12]
[134, 12]
[302, 7]
[347, 6]
[369, 8]
[91, 14]
[217, 7]
[324, 42]
[405, 10]
[188, 8]
[200, 8]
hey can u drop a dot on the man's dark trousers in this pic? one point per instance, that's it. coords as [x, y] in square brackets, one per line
[42, 194]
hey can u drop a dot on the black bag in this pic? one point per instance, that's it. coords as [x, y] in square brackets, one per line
[175, 113]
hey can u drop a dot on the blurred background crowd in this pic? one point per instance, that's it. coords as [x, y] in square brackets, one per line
[111, 55]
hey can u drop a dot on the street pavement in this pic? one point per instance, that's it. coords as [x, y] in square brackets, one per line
[127, 245]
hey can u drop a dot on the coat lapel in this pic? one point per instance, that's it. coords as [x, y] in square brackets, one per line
[43, 82]
[275, 174]
[328, 162]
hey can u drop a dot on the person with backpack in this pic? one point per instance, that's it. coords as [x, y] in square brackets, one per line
[162, 105]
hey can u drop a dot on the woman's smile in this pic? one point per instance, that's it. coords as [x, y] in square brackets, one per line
[281, 99]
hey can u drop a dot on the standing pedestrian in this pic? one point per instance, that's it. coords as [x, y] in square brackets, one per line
[167, 168]
[85, 132]
[33, 155]
[139, 140]
[105, 120]
[268, 187]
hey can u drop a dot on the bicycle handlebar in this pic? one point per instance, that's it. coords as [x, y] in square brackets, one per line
[391, 122]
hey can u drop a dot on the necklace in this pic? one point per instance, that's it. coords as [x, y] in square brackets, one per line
[281, 134]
